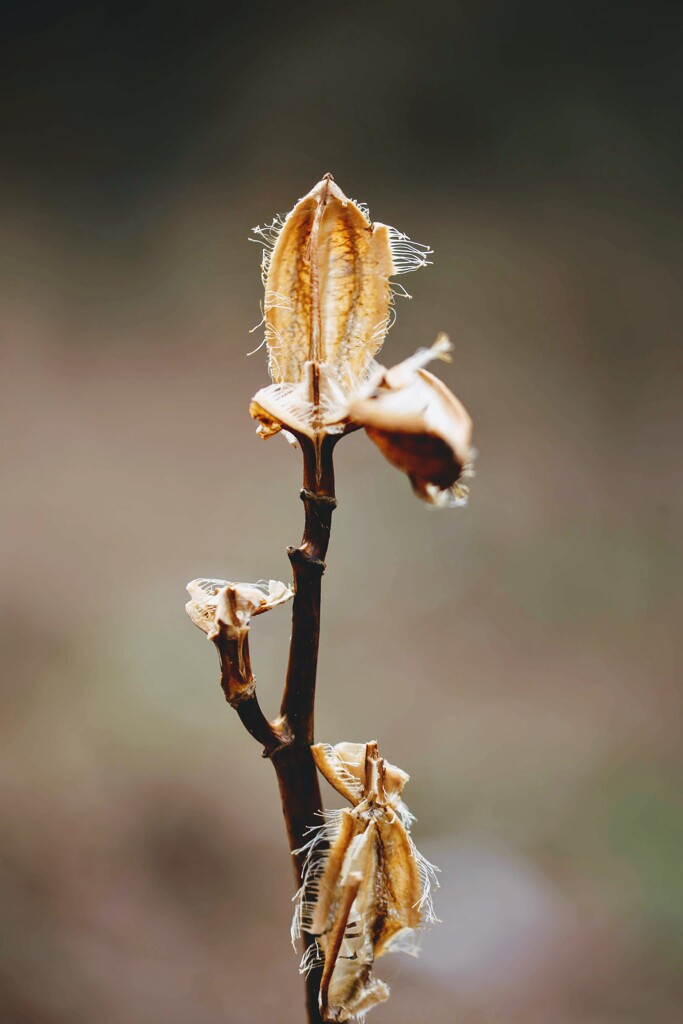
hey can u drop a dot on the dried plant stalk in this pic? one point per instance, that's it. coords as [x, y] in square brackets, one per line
[327, 269]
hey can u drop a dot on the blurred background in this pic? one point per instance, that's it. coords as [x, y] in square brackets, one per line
[520, 658]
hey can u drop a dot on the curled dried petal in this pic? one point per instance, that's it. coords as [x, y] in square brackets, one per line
[419, 425]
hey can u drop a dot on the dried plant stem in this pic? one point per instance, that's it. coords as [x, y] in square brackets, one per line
[328, 298]
[294, 765]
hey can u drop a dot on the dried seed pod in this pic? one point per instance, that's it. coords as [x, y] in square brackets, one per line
[366, 889]
[328, 306]
[419, 426]
[215, 603]
[327, 287]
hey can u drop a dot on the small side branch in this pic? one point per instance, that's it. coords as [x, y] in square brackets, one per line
[239, 686]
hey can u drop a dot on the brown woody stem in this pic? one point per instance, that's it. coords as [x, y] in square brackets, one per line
[294, 765]
[287, 741]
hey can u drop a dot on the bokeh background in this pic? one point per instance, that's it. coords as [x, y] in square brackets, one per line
[520, 658]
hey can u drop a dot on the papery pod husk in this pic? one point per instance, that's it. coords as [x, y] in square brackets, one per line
[216, 602]
[388, 900]
[328, 886]
[343, 765]
[386, 905]
[354, 990]
[327, 286]
[368, 886]
[398, 888]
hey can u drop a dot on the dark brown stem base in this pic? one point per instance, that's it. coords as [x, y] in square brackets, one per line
[301, 801]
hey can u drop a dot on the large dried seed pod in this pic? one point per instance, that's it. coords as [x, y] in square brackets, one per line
[366, 889]
[327, 287]
[327, 307]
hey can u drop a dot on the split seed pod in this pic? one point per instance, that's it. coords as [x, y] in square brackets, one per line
[328, 306]
[366, 889]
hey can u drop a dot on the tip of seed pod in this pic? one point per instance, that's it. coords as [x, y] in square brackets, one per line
[442, 348]
[328, 176]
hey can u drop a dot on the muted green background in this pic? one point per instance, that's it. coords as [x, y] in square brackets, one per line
[520, 658]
